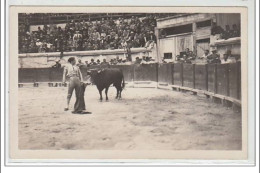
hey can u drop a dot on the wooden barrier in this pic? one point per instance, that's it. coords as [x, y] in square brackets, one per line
[165, 73]
[178, 74]
[239, 81]
[56, 74]
[233, 75]
[26, 75]
[146, 72]
[223, 80]
[212, 69]
[188, 75]
[42, 74]
[201, 77]
[128, 71]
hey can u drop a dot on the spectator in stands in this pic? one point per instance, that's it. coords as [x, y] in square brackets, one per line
[163, 60]
[189, 54]
[227, 34]
[225, 59]
[116, 60]
[39, 45]
[235, 31]
[89, 46]
[216, 29]
[151, 60]
[76, 40]
[87, 64]
[143, 61]
[92, 62]
[57, 64]
[95, 35]
[162, 33]
[187, 59]
[206, 54]
[79, 64]
[228, 58]
[95, 44]
[85, 45]
[104, 62]
[111, 62]
[39, 32]
[76, 36]
[24, 49]
[137, 60]
[148, 60]
[214, 58]
[178, 58]
[203, 58]
[98, 62]
[149, 38]
[119, 61]
[32, 47]
[44, 46]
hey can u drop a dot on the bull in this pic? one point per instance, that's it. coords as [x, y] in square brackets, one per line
[105, 77]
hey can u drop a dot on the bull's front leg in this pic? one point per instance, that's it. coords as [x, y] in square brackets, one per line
[100, 93]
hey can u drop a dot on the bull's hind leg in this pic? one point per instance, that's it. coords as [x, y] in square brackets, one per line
[106, 93]
[118, 91]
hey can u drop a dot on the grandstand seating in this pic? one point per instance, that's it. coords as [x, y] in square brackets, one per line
[85, 31]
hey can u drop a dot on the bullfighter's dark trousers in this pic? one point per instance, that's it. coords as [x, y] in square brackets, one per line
[74, 84]
[79, 105]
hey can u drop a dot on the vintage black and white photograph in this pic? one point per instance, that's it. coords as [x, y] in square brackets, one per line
[130, 80]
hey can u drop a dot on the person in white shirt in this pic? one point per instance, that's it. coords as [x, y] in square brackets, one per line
[204, 58]
[76, 39]
[226, 59]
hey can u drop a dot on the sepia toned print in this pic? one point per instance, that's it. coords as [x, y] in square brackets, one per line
[129, 83]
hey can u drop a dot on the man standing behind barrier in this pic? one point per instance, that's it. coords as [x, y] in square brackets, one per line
[72, 72]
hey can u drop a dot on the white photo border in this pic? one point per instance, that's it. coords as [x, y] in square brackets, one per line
[251, 88]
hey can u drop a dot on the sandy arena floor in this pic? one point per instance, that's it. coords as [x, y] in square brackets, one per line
[145, 118]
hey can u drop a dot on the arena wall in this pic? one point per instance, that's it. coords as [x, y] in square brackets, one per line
[46, 60]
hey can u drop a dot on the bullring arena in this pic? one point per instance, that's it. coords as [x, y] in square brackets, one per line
[147, 117]
[164, 106]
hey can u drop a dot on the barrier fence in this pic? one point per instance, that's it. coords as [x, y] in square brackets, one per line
[222, 79]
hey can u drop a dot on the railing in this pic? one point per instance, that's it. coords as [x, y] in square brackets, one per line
[219, 79]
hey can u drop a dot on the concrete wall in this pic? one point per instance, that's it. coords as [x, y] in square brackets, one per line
[233, 44]
[182, 20]
[175, 43]
[45, 60]
[228, 19]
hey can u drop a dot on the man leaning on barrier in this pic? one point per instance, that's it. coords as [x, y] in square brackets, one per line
[214, 58]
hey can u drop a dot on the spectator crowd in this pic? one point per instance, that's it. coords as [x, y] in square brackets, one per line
[92, 35]
[207, 58]
[220, 33]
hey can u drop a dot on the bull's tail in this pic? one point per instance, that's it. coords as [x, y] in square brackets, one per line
[123, 82]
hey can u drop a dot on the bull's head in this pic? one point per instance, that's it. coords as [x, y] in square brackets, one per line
[94, 73]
